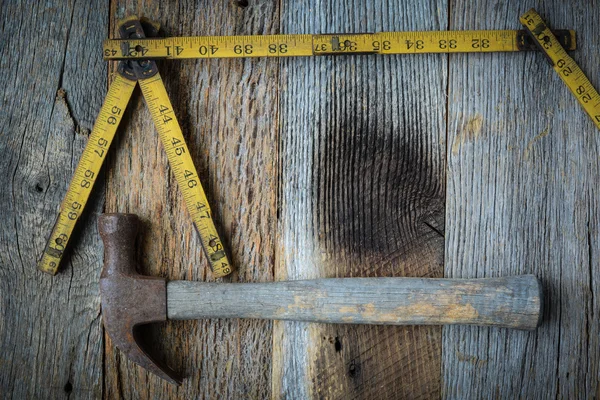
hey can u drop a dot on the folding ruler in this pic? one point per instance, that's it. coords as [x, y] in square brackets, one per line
[145, 73]
[134, 45]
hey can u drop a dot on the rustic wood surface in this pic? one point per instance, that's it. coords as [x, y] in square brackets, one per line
[362, 194]
[51, 87]
[315, 167]
[523, 173]
[228, 113]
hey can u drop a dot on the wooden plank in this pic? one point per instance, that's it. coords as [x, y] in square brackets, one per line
[228, 113]
[52, 84]
[361, 194]
[523, 198]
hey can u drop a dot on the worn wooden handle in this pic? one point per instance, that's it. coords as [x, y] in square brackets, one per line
[513, 302]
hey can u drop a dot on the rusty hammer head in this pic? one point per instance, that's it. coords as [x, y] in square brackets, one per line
[129, 299]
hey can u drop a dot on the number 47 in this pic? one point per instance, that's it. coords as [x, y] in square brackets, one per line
[202, 210]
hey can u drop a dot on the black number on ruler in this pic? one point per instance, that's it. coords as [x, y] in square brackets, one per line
[239, 49]
[202, 209]
[109, 52]
[163, 110]
[102, 143]
[73, 214]
[60, 242]
[565, 71]
[585, 97]
[542, 38]
[275, 48]
[477, 43]
[178, 50]
[214, 243]
[348, 45]
[385, 45]
[547, 43]
[204, 50]
[190, 182]
[447, 43]
[320, 47]
[135, 51]
[529, 20]
[179, 150]
[419, 44]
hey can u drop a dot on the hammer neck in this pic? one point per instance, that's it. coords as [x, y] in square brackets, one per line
[118, 232]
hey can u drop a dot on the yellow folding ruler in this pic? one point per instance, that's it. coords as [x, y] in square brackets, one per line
[134, 45]
[565, 66]
[129, 74]
[314, 45]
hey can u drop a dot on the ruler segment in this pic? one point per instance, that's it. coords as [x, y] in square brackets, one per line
[86, 172]
[185, 172]
[566, 68]
[480, 41]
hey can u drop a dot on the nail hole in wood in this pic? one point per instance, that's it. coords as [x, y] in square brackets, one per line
[353, 369]
[241, 3]
[39, 188]
[337, 344]
[68, 387]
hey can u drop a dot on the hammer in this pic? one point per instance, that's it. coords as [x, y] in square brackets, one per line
[130, 300]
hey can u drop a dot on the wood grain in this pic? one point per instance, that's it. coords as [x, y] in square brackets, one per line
[51, 86]
[523, 198]
[228, 113]
[328, 167]
[361, 194]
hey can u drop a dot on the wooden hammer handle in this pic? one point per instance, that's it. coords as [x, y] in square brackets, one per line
[512, 302]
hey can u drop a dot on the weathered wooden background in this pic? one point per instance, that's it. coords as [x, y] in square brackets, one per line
[433, 165]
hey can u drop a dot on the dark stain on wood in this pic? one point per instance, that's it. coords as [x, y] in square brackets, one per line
[353, 369]
[362, 181]
[377, 191]
[337, 344]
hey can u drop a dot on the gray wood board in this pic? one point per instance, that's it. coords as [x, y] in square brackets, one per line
[227, 109]
[52, 82]
[362, 183]
[523, 198]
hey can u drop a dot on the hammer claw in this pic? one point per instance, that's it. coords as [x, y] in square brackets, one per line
[128, 299]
